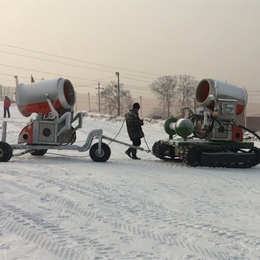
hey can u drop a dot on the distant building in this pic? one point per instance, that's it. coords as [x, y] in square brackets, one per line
[250, 122]
[7, 91]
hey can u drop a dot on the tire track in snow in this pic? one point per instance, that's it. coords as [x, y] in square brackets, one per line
[98, 186]
[160, 238]
[53, 238]
[249, 187]
[21, 226]
[180, 219]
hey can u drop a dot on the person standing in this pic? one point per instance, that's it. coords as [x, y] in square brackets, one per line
[134, 129]
[7, 104]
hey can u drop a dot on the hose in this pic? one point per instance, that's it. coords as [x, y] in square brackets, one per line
[118, 132]
[250, 131]
[148, 151]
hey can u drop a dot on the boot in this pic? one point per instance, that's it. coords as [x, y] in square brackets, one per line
[129, 152]
[134, 155]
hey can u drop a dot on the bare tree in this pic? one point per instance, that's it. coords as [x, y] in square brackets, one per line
[127, 101]
[165, 89]
[110, 95]
[186, 90]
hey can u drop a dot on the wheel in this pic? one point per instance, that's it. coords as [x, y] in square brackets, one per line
[40, 152]
[6, 152]
[103, 156]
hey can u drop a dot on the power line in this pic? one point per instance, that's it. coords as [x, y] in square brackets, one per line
[59, 62]
[135, 56]
[71, 65]
[75, 85]
[136, 79]
[78, 60]
[16, 67]
[12, 75]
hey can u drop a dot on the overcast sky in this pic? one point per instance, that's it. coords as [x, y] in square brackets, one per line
[88, 41]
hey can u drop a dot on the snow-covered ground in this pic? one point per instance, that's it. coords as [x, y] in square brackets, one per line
[65, 206]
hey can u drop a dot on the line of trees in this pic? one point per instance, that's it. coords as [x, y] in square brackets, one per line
[173, 92]
[109, 97]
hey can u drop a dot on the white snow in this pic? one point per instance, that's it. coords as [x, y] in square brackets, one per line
[65, 206]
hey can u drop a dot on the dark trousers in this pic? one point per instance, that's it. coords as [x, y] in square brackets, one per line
[135, 142]
[6, 110]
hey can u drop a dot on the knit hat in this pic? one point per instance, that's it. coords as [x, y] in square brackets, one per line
[136, 106]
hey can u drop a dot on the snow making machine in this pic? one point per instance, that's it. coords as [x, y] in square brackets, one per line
[55, 125]
[210, 136]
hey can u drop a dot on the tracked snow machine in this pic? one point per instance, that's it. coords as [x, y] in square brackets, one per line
[210, 136]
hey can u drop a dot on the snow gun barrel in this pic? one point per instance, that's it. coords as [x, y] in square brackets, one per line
[209, 92]
[34, 97]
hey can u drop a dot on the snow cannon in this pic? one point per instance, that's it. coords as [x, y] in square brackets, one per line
[55, 125]
[225, 100]
[182, 127]
[215, 138]
[53, 101]
[45, 96]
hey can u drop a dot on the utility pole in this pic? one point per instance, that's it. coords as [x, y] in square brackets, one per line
[118, 93]
[98, 88]
[89, 102]
[122, 104]
[141, 105]
[16, 85]
[195, 105]
[16, 81]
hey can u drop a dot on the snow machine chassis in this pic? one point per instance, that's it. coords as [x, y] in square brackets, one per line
[208, 153]
[99, 151]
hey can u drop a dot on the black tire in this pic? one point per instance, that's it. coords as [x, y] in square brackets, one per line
[6, 152]
[105, 152]
[40, 152]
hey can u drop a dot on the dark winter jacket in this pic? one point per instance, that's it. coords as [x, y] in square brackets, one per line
[133, 124]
